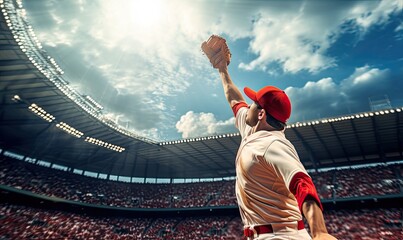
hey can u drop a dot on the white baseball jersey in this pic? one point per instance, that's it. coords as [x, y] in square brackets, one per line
[265, 164]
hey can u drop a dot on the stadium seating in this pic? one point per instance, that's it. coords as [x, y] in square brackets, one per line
[23, 222]
[20, 222]
[346, 183]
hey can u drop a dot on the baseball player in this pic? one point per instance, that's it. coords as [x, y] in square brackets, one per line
[273, 189]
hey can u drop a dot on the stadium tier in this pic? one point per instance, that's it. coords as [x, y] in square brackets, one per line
[378, 181]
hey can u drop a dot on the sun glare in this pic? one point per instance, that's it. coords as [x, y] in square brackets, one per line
[145, 14]
[133, 20]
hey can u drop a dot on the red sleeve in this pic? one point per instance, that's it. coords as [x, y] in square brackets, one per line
[238, 106]
[303, 188]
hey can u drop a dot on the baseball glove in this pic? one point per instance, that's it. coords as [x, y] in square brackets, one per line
[217, 51]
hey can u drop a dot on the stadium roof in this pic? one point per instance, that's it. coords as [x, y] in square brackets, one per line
[39, 108]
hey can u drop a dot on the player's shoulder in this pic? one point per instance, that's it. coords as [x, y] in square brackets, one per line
[238, 106]
[278, 139]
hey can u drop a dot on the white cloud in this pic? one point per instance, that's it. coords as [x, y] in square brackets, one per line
[328, 98]
[367, 15]
[284, 38]
[366, 82]
[203, 124]
[298, 38]
[399, 31]
[313, 99]
[152, 133]
[364, 75]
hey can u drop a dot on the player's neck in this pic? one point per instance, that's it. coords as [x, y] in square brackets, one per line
[262, 125]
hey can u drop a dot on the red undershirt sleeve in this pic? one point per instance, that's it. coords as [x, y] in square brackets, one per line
[302, 187]
[238, 106]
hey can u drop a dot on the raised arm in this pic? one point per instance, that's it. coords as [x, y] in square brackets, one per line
[231, 91]
[217, 51]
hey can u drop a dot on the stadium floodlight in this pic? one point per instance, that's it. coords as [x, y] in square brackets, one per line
[93, 102]
[69, 129]
[39, 111]
[16, 98]
[104, 144]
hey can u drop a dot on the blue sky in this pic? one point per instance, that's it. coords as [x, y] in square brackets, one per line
[142, 61]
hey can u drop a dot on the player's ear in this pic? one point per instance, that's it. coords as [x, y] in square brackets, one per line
[262, 114]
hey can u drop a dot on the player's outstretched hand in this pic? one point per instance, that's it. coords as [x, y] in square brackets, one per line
[217, 51]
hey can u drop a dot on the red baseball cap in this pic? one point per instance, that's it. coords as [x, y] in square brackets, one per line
[273, 100]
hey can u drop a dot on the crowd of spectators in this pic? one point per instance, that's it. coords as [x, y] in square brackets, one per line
[359, 182]
[324, 182]
[21, 222]
[366, 224]
[377, 180]
[368, 181]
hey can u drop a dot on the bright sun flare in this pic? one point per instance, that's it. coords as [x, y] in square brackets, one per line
[133, 19]
[144, 14]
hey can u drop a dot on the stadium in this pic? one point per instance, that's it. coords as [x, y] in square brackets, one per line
[67, 172]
